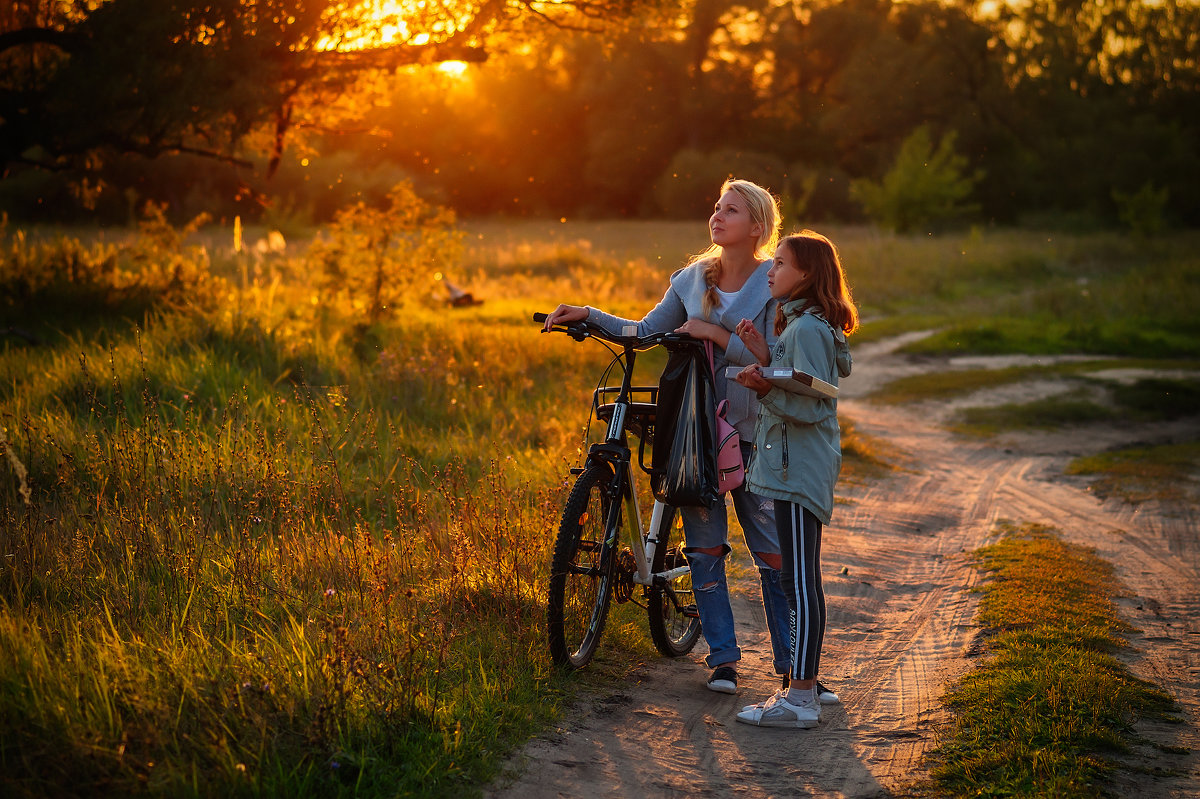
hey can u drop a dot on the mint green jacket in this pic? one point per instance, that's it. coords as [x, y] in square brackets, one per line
[797, 440]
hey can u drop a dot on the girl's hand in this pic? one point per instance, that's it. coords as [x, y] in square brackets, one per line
[565, 314]
[705, 331]
[754, 341]
[751, 377]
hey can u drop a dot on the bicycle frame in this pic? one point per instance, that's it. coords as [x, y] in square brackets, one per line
[590, 566]
[615, 448]
[644, 540]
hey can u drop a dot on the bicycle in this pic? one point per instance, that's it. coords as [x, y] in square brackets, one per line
[588, 569]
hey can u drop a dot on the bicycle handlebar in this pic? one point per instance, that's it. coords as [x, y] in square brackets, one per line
[581, 330]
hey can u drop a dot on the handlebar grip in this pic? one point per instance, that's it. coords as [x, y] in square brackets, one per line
[540, 317]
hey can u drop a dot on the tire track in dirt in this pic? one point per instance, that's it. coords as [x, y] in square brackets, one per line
[897, 579]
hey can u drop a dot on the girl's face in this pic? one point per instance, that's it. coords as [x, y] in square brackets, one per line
[730, 223]
[785, 275]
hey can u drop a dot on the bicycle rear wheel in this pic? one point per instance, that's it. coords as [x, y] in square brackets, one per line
[581, 572]
[674, 621]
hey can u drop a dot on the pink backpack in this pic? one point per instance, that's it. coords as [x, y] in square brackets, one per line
[731, 472]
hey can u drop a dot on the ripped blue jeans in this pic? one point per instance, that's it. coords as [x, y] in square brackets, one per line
[704, 528]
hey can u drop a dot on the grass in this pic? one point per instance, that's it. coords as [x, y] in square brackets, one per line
[253, 543]
[1138, 474]
[1051, 707]
[1145, 400]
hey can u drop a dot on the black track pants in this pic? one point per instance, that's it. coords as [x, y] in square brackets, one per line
[800, 540]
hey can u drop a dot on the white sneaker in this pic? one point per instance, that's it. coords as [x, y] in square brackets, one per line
[826, 696]
[779, 712]
[766, 701]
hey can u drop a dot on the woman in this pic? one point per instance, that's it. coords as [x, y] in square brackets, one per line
[723, 286]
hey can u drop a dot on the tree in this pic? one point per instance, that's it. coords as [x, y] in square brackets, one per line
[83, 79]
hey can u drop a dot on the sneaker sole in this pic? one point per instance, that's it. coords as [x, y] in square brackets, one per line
[722, 687]
[799, 724]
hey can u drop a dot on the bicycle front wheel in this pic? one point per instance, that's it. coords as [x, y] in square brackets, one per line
[674, 622]
[581, 572]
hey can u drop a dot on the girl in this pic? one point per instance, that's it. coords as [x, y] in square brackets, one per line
[706, 299]
[797, 450]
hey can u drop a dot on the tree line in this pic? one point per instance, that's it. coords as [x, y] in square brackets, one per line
[913, 114]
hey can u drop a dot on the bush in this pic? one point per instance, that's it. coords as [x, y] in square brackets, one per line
[923, 187]
[377, 257]
[1143, 210]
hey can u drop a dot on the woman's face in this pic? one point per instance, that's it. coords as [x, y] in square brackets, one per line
[785, 275]
[730, 223]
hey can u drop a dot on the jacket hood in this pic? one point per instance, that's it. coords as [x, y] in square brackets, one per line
[841, 349]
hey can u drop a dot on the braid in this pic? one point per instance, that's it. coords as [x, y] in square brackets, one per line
[712, 273]
[780, 319]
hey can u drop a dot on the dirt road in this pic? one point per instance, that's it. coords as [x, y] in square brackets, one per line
[900, 628]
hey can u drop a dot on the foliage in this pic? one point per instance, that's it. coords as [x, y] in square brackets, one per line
[688, 187]
[155, 266]
[203, 76]
[924, 187]
[1142, 211]
[1067, 108]
[380, 257]
[1040, 715]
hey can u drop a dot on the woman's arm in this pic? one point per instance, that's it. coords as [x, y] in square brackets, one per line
[705, 331]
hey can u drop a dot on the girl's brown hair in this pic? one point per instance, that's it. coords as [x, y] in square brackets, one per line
[824, 285]
[764, 210]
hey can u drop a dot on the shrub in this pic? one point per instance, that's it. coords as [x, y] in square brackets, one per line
[378, 257]
[923, 187]
[1143, 210]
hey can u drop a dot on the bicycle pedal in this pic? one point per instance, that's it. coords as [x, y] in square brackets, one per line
[690, 612]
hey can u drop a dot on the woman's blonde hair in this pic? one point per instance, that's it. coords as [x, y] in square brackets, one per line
[824, 285]
[764, 210]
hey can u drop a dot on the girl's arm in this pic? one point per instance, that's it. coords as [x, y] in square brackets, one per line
[754, 340]
[809, 348]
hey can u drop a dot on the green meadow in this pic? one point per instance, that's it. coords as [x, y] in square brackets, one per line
[269, 531]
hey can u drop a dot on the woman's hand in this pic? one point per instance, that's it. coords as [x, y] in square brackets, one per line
[565, 314]
[751, 377]
[753, 340]
[705, 331]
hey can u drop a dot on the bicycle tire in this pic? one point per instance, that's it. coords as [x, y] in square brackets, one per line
[581, 571]
[674, 623]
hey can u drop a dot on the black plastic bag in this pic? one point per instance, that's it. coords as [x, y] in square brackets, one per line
[684, 459]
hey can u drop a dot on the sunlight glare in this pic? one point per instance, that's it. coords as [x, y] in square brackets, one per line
[455, 69]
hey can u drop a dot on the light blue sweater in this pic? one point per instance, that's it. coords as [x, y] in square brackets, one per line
[797, 440]
[683, 301]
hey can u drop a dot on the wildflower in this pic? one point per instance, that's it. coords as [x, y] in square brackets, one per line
[330, 592]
